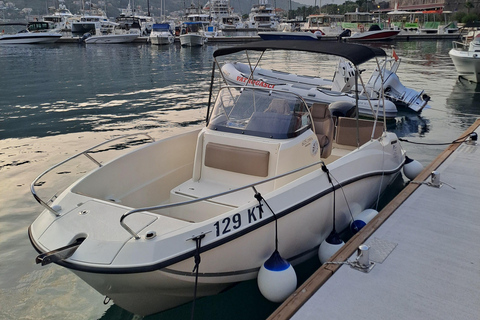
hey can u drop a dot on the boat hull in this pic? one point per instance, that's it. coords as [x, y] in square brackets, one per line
[282, 35]
[161, 40]
[192, 40]
[143, 283]
[150, 292]
[30, 38]
[467, 64]
[374, 35]
[117, 38]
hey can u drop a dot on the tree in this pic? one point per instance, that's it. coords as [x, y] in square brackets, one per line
[469, 6]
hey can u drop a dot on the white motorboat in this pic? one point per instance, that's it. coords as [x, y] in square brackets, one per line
[88, 24]
[62, 18]
[110, 33]
[112, 38]
[265, 167]
[35, 32]
[222, 15]
[326, 24]
[374, 33]
[161, 34]
[289, 35]
[192, 34]
[262, 17]
[466, 58]
[129, 20]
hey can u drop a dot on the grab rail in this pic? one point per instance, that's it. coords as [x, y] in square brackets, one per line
[170, 205]
[460, 45]
[86, 154]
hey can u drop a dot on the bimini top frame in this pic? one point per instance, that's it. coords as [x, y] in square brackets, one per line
[355, 53]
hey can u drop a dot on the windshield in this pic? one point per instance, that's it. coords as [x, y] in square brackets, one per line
[260, 112]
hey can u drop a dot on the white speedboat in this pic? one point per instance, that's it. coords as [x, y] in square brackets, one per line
[161, 34]
[192, 34]
[35, 32]
[265, 167]
[374, 33]
[110, 33]
[289, 35]
[112, 38]
[466, 58]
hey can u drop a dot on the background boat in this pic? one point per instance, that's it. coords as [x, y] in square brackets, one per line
[161, 34]
[466, 55]
[374, 33]
[288, 35]
[34, 33]
[192, 34]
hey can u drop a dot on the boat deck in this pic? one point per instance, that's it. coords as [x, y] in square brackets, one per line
[425, 244]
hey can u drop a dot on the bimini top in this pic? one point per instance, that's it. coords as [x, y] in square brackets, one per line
[356, 53]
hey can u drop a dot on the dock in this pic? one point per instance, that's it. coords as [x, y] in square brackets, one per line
[239, 39]
[424, 253]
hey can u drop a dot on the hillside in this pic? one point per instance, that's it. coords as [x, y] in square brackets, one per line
[113, 6]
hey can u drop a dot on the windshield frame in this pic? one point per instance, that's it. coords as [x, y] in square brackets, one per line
[295, 121]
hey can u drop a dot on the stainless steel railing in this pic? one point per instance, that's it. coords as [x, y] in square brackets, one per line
[86, 154]
[170, 205]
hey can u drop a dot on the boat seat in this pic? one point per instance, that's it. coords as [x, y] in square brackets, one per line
[324, 127]
[233, 159]
[347, 131]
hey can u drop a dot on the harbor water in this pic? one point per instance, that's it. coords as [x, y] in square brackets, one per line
[57, 100]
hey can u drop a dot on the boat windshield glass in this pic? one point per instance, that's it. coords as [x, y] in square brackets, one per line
[260, 112]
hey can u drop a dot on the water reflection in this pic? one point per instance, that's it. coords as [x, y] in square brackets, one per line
[465, 98]
[94, 88]
[409, 123]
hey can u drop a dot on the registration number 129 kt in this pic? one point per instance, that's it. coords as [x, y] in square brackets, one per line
[234, 222]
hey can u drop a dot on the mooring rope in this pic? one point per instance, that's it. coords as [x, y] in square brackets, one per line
[259, 197]
[198, 244]
[459, 140]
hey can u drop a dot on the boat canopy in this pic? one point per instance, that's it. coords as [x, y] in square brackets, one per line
[356, 53]
[161, 26]
[260, 112]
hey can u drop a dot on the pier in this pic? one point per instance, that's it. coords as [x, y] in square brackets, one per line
[230, 39]
[423, 250]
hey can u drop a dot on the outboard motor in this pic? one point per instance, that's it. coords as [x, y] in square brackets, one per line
[84, 37]
[342, 109]
[345, 33]
[344, 76]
